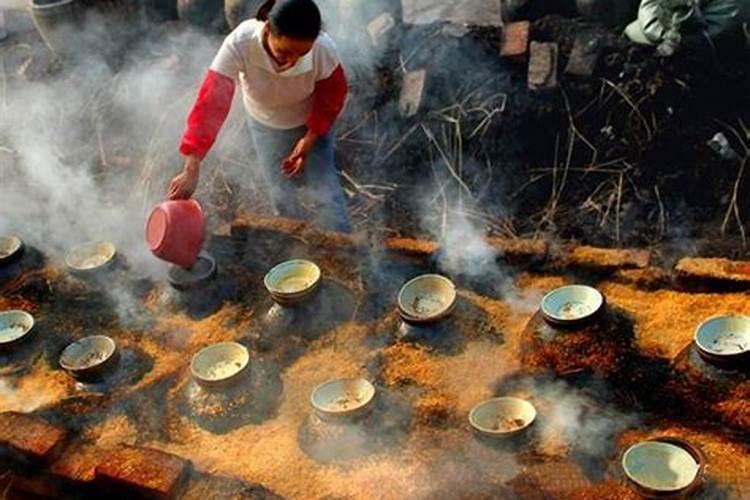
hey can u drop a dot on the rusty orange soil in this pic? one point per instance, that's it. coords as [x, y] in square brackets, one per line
[665, 320]
[437, 455]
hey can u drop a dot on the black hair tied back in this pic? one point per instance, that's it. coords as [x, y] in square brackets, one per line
[264, 10]
[299, 19]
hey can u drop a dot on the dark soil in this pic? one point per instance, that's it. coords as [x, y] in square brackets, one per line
[646, 175]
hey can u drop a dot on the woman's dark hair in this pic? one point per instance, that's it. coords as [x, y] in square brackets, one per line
[299, 19]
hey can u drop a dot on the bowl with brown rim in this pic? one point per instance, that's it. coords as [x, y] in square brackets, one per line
[664, 467]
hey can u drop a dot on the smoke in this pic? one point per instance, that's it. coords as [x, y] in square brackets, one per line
[364, 31]
[80, 138]
[466, 254]
[582, 421]
[465, 250]
[87, 151]
[13, 400]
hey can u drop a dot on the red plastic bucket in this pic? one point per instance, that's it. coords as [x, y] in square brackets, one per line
[175, 231]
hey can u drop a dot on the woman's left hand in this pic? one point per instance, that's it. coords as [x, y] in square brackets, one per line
[294, 164]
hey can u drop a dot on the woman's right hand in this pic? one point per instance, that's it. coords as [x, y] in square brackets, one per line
[184, 184]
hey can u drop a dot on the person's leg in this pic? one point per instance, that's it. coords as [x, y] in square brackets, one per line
[272, 146]
[323, 184]
[3, 30]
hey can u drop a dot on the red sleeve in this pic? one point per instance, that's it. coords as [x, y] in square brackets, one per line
[208, 114]
[328, 101]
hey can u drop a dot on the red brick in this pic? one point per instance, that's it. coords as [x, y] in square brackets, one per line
[648, 278]
[38, 485]
[515, 39]
[142, 472]
[77, 464]
[379, 28]
[412, 92]
[542, 66]
[247, 222]
[520, 250]
[408, 246]
[608, 259]
[713, 274]
[250, 226]
[30, 438]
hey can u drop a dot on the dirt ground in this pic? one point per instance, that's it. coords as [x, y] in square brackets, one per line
[418, 443]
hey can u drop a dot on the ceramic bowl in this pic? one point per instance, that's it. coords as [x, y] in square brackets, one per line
[724, 340]
[502, 417]
[571, 305]
[89, 358]
[292, 281]
[218, 365]
[427, 299]
[15, 326]
[344, 397]
[90, 257]
[663, 467]
[11, 247]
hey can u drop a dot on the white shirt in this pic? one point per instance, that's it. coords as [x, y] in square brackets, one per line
[277, 99]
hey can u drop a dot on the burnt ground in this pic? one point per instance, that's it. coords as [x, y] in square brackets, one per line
[616, 158]
[597, 390]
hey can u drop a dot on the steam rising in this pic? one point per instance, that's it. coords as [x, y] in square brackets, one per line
[10, 400]
[80, 149]
[575, 420]
[84, 156]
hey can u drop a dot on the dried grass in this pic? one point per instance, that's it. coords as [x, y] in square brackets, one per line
[608, 490]
[665, 320]
[590, 349]
[735, 409]
[434, 409]
[405, 364]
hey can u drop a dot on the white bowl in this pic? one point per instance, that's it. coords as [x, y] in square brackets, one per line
[10, 245]
[14, 326]
[427, 298]
[571, 304]
[89, 357]
[724, 335]
[660, 467]
[292, 281]
[501, 417]
[218, 364]
[342, 397]
[90, 256]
